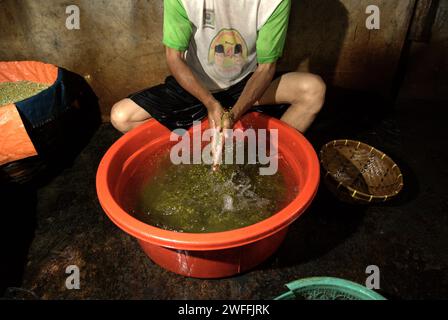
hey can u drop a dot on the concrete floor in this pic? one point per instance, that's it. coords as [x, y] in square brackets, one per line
[61, 223]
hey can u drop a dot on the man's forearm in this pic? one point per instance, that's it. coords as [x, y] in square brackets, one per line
[183, 74]
[254, 89]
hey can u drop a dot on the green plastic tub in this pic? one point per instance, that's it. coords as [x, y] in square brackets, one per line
[327, 288]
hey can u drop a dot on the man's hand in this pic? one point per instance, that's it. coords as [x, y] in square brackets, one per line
[227, 121]
[215, 114]
[220, 119]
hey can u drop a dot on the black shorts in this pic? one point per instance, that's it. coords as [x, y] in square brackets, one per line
[174, 107]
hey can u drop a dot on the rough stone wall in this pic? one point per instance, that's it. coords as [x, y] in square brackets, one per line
[119, 49]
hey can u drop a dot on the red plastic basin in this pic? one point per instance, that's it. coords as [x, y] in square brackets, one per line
[206, 255]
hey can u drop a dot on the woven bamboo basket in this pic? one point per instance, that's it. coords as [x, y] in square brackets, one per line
[358, 173]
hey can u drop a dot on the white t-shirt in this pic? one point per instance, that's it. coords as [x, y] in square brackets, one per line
[222, 48]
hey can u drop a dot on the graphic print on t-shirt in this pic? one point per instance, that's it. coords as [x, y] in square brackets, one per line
[228, 53]
[209, 18]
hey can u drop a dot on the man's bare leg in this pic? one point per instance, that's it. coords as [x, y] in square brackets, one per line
[304, 91]
[126, 115]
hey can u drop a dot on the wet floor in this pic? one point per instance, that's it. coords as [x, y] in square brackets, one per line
[61, 223]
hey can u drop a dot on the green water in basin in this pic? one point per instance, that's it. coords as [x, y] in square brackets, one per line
[191, 198]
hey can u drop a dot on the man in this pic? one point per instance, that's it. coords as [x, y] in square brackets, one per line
[222, 54]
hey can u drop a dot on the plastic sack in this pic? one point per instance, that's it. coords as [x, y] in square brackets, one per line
[48, 128]
[15, 143]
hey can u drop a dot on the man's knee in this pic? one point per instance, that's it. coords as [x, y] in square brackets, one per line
[119, 115]
[315, 86]
[310, 89]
